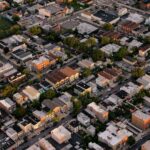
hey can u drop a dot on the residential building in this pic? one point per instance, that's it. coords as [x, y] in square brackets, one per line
[62, 76]
[141, 120]
[145, 81]
[85, 63]
[8, 105]
[31, 93]
[110, 49]
[20, 98]
[83, 119]
[60, 134]
[104, 17]
[45, 145]
[114, 137]
[41, 63]
[95, 146]
[100, 113]
[146, 145]
[82, 88]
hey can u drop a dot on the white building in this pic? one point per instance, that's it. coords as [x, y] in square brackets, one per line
[31, 93]
[61, 134]
[7, 104]
[134, 17]
[110, 49]
[114, 137]
[83, 119]
[95, 146]
[5, 68]
[145, 81]
[131, 88]
[100, 113]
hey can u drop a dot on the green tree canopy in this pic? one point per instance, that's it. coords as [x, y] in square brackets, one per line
[35, 30]
[138, 72]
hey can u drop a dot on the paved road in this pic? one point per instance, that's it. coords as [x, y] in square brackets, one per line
[43, 134]
[140, 142]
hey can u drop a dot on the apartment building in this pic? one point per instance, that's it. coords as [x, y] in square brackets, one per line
[141, 120]
[100, 113]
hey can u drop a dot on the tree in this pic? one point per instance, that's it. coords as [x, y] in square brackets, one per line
[36, 104]
[6, 50]
[15, 18]
[120, 54]
[138, 72]
[86, 72]
[35, 30]
[131, 140]
[19, 112]
[105, 40]
[50, 94]
[8, 91]
[77, 105]
[108, 26]
[90, 42]
[97, 55]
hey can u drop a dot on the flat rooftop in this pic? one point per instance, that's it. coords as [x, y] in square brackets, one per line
[106, 17]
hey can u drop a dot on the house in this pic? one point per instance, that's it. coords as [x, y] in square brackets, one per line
[52, 10]
[56, 106]
[45, 145]
[15, 77]
[147, 101]
[113, 35]
[4, 68]
[83, 119]
[86, 28]
[8, 105]
[22, 55]
[129, 60]
[104, 17]
[134, 17]
[34, 147]
[41, 63]
[4, 5]
[131, 88]
[146, 145]
[85, 63]
[145, 81]
[12, 134]
[82, 88]
[108, 76]
[18, 1]
[112, 102]
[109, 49]
[95, 146]
[62, 76]
[143, 50]
[141, 120]
[20, 98]
[99, 112]
[128, 27]
[40, 115]
[61, 134]
[31, 93]
[66, 98]
[114, 136]
[74, 126]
